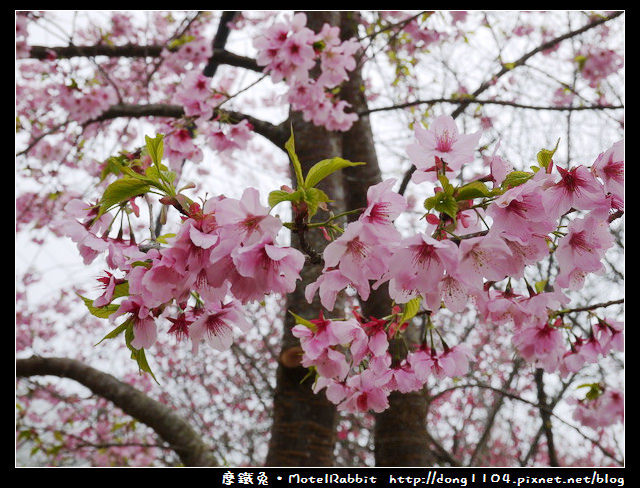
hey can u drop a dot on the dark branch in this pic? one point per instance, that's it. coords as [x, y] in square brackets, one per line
[220, 56]
[277, 134]
[471, 100]
[219, 42]
[172, 428]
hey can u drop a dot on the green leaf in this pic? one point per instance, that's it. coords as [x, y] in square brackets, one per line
[155, 147]
[475, 189]
[120, 191]
[441, 202]
[446, 186]
[313, 197]
[545, 155]
[297, 167]
[141, 358]
[324, 168]
[516, 178]
[279, 196]
[116, 332]
[100, 312]
[539, 286]
[163, 239]
[303, 321]
[411, 308]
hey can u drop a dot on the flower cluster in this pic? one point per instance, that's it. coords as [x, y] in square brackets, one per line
[226, 254]
[289, 51]
[453, 265]
[597, 63]
[354, 366]
[602, 410]
[477, 244]
[86, 104]
[199, 100]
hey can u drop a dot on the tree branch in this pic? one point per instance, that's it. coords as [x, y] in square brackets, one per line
[507, 68]
[471, 100]
[219, 41]
[277, 134]
[220, 56]
[172, 428]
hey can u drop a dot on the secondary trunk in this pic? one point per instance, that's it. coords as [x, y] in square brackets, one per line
[400, 435]
[303, 430]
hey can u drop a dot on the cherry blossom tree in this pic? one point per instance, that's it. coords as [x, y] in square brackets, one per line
[320, 238]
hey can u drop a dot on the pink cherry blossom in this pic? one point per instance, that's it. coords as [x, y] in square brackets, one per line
[609, 334]
[519, 213]
[330, 363]
[576, 188]
[327, 333]
[484, 257]
[247, 219]
[85, 233]
[215, 325]
[599, 63]
[359, 254]
[442, 141]
[541, 344]
[609, 167]
[404, 379]
[417, 267]
[273, 268]
[365, 392]
[602, 411]
[581, 250]
[144, 326]
[383, 205]
[329, 284]
[455, 360]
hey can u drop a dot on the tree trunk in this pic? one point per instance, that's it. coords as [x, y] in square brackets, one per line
[401, 437]
[303, 430]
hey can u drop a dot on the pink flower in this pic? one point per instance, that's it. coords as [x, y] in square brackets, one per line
[85, 233]
[607, 408]
[484, 257]
[442, 141]
[327, 333]
[246, 218]
[404, 379]
[366, 391]
[519, 213]
[599, 63]
[581, 250]
[417, 267]
[540, 344]
[359, 254]
[144, 326]
[454, 361]
[450, 363]
[329, 284]
[609, 334]
[215, 325]
[273, 268]
[609, 167]
[109, 284]
[383, 205]
[576, 188]
[330, 363]
[164, 280]
[524, 254]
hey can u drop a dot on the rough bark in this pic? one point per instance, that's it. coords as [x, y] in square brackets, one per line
[400, 435]
[169, 426]
[303, 430]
